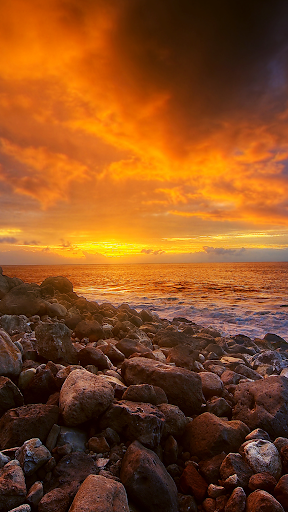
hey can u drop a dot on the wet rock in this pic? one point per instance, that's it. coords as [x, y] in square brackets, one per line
[166, 338]
[263, 481]
[32, 455]
[191, 482]
[24, 299]
[12, 486]
[84, 396]
[95, 356]
[146, 480]
[212, 385]
[263, 404]
[22, 423]
[269, 357]
[145, 393]
[263, 456]
[62, 284]
[207, 435]
[10, 395]
[10, 356]
[135, 420]
[262, 501]
[237, 501]
[182, 387]
[281, 491]
[103, 494]
[89, 329]
[53, 341]
[234, 464]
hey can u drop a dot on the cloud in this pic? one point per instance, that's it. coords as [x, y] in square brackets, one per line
[8, 240]
[153, 252]
[31, 242]
[221, 251]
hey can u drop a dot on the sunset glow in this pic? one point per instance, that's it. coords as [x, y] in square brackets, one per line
[143, 131]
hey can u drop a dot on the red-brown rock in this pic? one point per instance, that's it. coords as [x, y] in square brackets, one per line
[191, 482]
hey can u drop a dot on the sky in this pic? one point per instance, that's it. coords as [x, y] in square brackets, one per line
[142, 131]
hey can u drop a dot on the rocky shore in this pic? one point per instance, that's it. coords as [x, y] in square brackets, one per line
[112, 410]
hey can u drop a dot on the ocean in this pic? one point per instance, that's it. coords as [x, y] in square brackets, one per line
[235, 298]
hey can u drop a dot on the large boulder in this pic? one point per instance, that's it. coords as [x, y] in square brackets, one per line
[207, 435]
[62, 284]
[263, 404]
[182, 387]
[22, 423]
[84, 396]
[101, 494]
[136, 420]
[146, 480]
[53, 341]
[10, 356]
[24, 299]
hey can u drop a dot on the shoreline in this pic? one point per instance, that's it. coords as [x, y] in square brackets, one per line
[151, 410]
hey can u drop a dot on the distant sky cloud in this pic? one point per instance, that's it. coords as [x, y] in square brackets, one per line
[8, 240]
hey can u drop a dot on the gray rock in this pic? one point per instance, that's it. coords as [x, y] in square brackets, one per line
[234, 464]
[84, 396]
[14, 324]
[53, 341]
[10, 395]
[32, 455]
[262, 456]
[24, 299]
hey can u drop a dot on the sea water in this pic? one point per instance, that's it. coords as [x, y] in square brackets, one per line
[235, 298]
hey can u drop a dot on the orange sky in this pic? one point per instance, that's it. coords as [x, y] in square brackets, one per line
[143, 131]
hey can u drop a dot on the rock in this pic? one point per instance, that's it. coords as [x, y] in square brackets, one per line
[56, 309]
[175, 420]
[263, 456]
[10, 395]
[220, 407]
[14, 324]
[57, 500]
[212, 385]
[76, 438]
[182, 387]
[128, 347]
[25, 378]
[146, 315]
[89, 329]
[210, 468]
[72, 470]
[3, 460]
[234, 464]
[84, 396]
[146, 480]
[53, 341]
[98, 445]
[191, 482]
[24, 299]
[145, 393]
[22, 423]
[4, 286]
[269, 357]
[247, 372]
[259, 408]
[237, 501]
[183, 356]
[35, 494]
[95, 356]
[165, 338]
[135, 420]
[103, 494]
[170, 452]
[10, 356]
[62, 284]
[258, 433]
[40, 387]
[280, 442]
[262, 501]
[112, 353]
[207, 435]
[12, 486]
[21, 508]
[264, 481]
[32, 455]
[281, 491]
